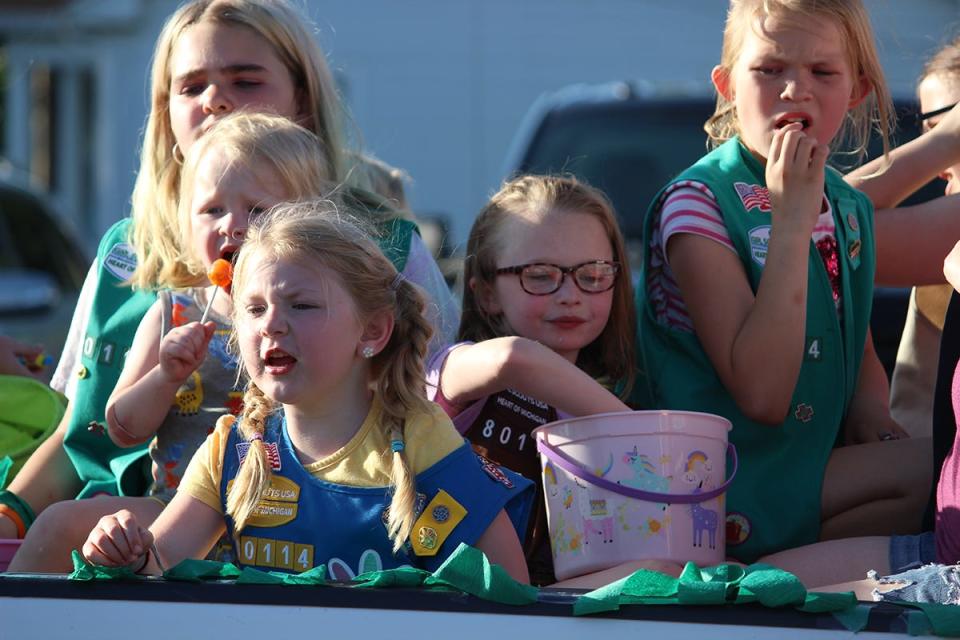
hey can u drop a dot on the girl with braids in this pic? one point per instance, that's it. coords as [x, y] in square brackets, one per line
[547, 328]
[338, 459]
[178, 376]
[212, 58]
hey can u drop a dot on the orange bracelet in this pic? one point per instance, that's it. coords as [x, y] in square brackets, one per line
[112, 417]
[17, 520]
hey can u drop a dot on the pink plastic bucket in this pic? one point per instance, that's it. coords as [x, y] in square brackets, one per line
[7, 549]
[635, 485]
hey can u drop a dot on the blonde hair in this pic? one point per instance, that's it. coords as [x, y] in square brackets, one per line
[611, 356]
[317, 232]
[875, 111]
[256, 142]
[944, 63]
[155, 194]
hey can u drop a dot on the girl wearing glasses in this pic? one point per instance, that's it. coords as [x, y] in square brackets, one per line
[547, 329]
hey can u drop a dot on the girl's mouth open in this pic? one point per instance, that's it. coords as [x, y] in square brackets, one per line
[277, 362]
[804, 122]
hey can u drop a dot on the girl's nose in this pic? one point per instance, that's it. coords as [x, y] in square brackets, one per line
[235, 225]
[272, 323]
[795, 88]
[568, 292]
[216, 101]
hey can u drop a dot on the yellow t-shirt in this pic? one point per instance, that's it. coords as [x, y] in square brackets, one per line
[362, 462]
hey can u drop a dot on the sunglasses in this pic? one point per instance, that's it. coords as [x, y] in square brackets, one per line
[541, 278]
[936, 112]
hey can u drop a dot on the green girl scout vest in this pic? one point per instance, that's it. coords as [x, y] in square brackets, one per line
[774, 501]
[115, 314]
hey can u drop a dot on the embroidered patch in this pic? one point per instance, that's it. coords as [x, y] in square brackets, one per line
[121, 261]
[753, 196]
[804, 412]
[431, 532]
[737, 528]
[852, 222]
[759, 238]
[273, 453]
[494, 471]
[427, 537]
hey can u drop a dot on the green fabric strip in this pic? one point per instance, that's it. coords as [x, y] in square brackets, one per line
[469, 570]
[86, 572]
[191, 570]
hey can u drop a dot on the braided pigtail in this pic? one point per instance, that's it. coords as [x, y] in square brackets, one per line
[400, 382]
[254, 475]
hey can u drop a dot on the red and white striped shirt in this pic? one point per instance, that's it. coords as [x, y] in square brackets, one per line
[690, 207]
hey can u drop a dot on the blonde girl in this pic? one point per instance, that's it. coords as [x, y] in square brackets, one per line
[212, 58]
[179, 376]
[757, 283]
[547, 328]
[338, 459]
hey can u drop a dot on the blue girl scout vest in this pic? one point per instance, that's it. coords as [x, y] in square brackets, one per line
[303, 522]
[774, 501]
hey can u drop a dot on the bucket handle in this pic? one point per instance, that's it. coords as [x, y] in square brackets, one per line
[570, 465]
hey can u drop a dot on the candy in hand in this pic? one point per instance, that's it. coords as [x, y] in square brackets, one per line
[221, 273]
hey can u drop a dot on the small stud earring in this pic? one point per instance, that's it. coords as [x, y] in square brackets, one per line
[367, 352]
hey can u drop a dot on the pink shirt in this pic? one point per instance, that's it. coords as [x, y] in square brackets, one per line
[947, 524]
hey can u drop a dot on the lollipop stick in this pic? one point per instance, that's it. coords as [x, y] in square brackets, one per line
[206, 311]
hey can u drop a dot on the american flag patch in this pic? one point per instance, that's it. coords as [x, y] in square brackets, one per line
[273, 453]
[753, 196]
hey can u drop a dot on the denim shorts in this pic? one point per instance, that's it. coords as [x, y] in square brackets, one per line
[912, 552]
[912, 562]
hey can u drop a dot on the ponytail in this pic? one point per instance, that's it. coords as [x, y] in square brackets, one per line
[253, 479]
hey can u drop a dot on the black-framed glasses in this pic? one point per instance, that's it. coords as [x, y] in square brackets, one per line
[542, 278]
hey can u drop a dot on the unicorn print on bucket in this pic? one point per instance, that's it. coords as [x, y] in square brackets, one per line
[698, 472]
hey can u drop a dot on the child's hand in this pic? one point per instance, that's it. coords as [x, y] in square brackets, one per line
[118, 540]
[183, 349]
[795, 175]
[14, 354]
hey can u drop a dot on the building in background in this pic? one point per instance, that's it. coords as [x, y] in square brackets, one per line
[437, 87]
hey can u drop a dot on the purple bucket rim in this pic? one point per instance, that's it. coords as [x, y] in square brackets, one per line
[542, 429]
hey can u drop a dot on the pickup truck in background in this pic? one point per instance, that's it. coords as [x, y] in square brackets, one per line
[630, 140]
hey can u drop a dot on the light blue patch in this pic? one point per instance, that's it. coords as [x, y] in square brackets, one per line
[759, 241]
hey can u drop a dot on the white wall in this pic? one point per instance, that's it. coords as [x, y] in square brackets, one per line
[438, 87]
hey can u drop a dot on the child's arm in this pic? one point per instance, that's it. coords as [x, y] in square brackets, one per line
[475, 371]
[152, 373]
[869, 419]
[186, 528]
[501, 546]
[912, 164]
[912, 241]
[755, 342]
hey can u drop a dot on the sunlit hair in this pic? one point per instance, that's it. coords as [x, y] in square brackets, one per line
[537, 199]
[265, 145]
[155, 194]
[945, 63]
[874, 112]
[322, 234]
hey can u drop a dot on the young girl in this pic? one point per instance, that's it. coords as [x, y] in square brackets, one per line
[758, 279]
[178, 375]
[338, 459]
[544, 319]
[212, 58]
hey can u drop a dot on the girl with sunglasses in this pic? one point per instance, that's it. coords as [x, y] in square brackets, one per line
[546, 331]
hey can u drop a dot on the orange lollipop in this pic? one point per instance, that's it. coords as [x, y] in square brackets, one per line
[220, 274]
